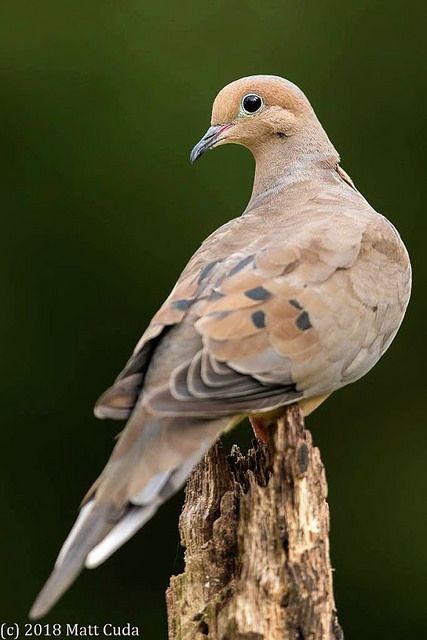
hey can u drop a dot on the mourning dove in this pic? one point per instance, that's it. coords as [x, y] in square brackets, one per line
[299, 296]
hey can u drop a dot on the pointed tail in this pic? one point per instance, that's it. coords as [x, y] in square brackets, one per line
[113, 513]
[90, 527]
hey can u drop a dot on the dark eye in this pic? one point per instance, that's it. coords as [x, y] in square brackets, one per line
[252, 103]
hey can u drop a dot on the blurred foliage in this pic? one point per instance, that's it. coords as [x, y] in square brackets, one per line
[100, 104]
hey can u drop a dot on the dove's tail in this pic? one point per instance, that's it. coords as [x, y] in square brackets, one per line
[106, 521]
[90, 528]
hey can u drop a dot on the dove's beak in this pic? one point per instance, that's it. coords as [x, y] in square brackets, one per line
[212, 137]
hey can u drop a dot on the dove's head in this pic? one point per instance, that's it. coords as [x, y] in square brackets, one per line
[256, 111]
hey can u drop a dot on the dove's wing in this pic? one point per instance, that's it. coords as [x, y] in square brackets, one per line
[305, 307]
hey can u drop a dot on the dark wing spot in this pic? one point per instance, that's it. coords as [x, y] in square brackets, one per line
[240, 265]
[303, 321]
[206, 270]
[295, 304]
[258, 318]
[183, 304]
[258, 293]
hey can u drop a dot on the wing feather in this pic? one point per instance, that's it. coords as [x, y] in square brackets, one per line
[294, 313]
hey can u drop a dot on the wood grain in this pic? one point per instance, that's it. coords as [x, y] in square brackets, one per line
[255, 529]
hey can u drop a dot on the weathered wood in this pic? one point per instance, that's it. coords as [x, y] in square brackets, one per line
[255, 530]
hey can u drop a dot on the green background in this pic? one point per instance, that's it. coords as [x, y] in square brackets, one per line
[100, 104]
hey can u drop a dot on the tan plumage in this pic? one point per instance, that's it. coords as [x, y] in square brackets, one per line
[300, 295]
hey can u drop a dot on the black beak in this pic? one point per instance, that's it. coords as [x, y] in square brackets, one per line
[208, 141]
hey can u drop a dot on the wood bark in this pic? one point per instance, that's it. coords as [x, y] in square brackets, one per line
[255, 529]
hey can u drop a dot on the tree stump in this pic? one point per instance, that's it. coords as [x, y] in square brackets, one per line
[255, 529]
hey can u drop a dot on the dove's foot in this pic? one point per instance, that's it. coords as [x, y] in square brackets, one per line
[260, 427]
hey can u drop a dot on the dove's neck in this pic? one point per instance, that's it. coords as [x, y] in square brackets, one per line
[282, 162]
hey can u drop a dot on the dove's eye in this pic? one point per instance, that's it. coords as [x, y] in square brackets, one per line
[251, 103]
